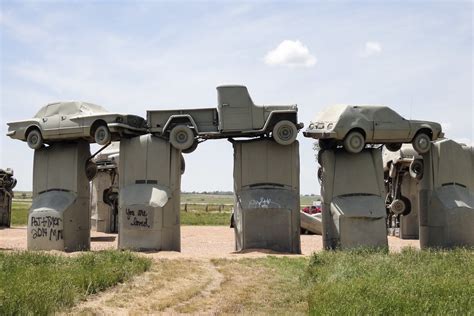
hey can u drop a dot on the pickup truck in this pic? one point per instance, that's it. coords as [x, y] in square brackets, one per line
[236, 116]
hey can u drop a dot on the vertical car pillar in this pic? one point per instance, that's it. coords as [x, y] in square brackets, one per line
[267, 196]
[353, 205]
[149, 196]
[7, 183]
[59, 216]
[447, 196]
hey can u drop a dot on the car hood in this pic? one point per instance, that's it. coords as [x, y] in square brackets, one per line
[32, 120]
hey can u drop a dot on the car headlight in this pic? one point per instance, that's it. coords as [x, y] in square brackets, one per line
[330, 126]
[311, 126]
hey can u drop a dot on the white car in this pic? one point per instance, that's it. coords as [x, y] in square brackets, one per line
[75, 120]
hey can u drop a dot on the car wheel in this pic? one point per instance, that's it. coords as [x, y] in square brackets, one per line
[102, 135]
[181, 137]
[354, 142]
[416, 169]
[398, 206]
[393, 146]
[422, 143]
[34, 139]
[183, 165]
[91, 170]
[192, 148]
[285, 132]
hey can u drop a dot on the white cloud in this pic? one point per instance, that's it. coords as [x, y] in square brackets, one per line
[290, 53]
[372, 49]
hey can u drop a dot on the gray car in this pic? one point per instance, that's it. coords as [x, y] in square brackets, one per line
[353, 126]
[75, 120]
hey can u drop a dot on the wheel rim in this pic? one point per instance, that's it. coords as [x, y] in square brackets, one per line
[423, 143]
[182, 137]
[355, 142]
[398, 207]
[285, 133]
[34, 139]
[101, 135]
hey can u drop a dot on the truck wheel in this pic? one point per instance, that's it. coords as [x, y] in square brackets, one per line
[181, 137]
[91, 170]
[393, 146]
[34, 139]
[354, 142]
[191, 149]
[421, 143]
[397, 206]
[284, 132]
[102, 135]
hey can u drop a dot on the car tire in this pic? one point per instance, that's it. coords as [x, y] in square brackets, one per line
[393, 146]
[284, 132]
[34, 139]
[421, 143]
[102, 135]
[183, 165]
[181, 137]
[398, 206]
[191, 149]
[91, 170]
[354, 142]
[416, 169]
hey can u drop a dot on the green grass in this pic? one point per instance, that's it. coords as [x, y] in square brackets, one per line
[205, 218]
[410, 282]
[37, 283]
[20, 213]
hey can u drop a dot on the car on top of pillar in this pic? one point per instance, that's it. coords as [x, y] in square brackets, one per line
[236, 116]
[75, 120]
[354, 126]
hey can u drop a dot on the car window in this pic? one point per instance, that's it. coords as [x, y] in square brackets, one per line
[53, 109]
[69, 108]
[41, 112]
[92, 108]
[385, 114]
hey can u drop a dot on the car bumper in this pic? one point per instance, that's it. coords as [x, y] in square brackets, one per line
[11, 133]
[320, 134]
[115, 127]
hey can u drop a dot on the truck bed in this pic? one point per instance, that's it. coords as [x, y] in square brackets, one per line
[206, 119]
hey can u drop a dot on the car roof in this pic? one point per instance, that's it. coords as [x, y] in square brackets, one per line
[332, 113]
[79, 106]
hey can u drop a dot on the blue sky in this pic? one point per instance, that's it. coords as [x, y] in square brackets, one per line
[132, 56]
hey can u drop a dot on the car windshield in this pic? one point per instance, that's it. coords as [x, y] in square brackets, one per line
[90, 108]
[330, 114]
[41, 112]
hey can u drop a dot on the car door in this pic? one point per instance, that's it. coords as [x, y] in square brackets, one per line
[50, 121]
[234, 109]
[70, 120]
[390, 126]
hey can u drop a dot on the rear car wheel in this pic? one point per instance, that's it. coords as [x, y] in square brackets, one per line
[354, 142]
[181, 137]
[285, 132]
[398, 206]
[34, 139]
[393, 146]
[102, 135]
[416, 169]
[421, 143]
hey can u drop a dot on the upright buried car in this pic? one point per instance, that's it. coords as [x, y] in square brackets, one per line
[75, 120]
[353, 126]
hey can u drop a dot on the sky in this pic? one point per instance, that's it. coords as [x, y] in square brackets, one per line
[134, 56]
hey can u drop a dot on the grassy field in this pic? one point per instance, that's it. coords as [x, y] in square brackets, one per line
[373, 283]
[40, 284]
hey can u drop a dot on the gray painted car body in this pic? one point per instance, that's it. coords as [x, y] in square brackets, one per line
[235, 115]
[74, 120]
[380, 124]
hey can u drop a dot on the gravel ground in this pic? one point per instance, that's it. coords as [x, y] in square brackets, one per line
[196, 242]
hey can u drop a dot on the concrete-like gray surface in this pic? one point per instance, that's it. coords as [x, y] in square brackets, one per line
[266, 188]
[7, 183]
[353, 203]
[59, 217]
[447, 196]
[149, 197]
